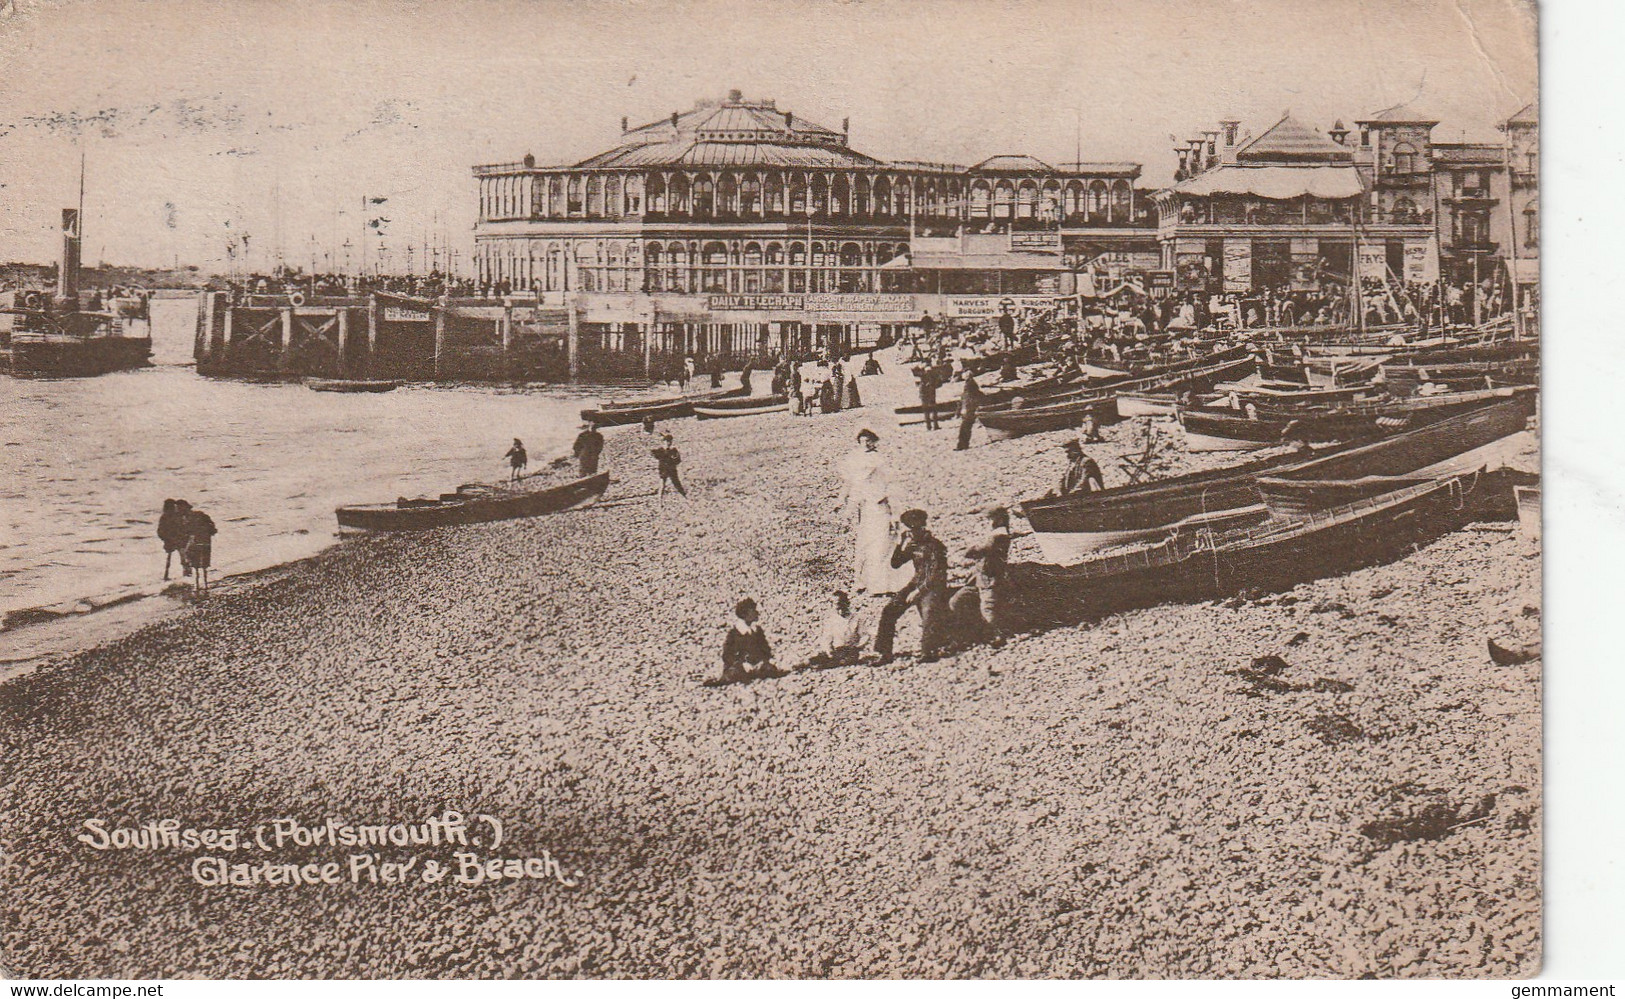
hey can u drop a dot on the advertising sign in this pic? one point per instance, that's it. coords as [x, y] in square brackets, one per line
[1238, 265]
[1421, 261]
[1373, 261]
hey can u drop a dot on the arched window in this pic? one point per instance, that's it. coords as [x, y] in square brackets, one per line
[798, 195]
[727, 196]
[1004, 197]
[981, 198]
[1404, 158]
[1122, 198]
[882, 196]
[595, 197]
[612, 196]
[576, 204]
[586, 266]
[1097, 201]
[750, 196]
[820, 195]
[654, 280]
[1026, 200]
[679, 196]
[1049, 201]
[657, 194]
[704, 197]
[714, 258]
[840, 196]
[1531, 225]
[632, 197]
[860, 197]
[773, 194]
[1404, 210]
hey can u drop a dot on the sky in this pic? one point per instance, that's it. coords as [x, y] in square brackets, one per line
[200, 122]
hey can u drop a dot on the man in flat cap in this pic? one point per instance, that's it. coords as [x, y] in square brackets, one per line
[927, 590]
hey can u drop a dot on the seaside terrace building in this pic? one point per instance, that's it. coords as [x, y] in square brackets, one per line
[736, 227]
[1296, 209]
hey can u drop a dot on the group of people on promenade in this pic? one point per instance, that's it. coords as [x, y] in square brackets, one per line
[188, 532]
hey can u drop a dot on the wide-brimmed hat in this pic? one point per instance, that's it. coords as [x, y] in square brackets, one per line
[1072, 446]
[915, 518]
[867, 434]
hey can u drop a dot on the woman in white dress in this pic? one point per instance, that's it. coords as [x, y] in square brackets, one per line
[868, 496]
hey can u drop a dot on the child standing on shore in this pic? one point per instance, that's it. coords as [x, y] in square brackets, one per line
[667, 459]
[200, 532]
[517, 460]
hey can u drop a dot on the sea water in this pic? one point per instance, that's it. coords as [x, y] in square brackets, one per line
[86, 464]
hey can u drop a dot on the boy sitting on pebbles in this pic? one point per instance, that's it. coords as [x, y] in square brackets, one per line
[746, 646]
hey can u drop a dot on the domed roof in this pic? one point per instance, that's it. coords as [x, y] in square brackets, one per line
[731, 132]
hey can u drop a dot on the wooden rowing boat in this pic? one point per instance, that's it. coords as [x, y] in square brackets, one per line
[1070, 526]
[1272, 554]
[632, 411]
[751, 406]
[1225, 429]
[1071, 410]
[474, 504]
[353, 384]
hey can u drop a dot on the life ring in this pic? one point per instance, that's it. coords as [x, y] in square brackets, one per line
[297, 299]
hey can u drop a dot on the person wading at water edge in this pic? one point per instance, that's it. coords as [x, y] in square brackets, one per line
[172, 532]
[588, 446]
[927, 590]
[200, 532]
[745, 645]
[517, 460]
[667, 459]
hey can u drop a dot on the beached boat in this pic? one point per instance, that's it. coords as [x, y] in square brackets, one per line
[1406, 379]
[999, 392]
[1225, 429]
[1291, 497]
[1070, 411]
[750, 406]
[616, 414]
[353, 384]
[474, 504]
[1272, 554]
[1069, 527]
[1132, 404]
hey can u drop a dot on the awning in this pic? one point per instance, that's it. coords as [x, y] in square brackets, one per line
[987, 262]
[1279, 183]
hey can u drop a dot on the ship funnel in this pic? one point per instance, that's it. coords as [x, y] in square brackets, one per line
[67, 275]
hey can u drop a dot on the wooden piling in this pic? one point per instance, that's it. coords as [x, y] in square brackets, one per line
[439, 333]
[285, 353]
[372, 333]
[573, 343]
[344, 341]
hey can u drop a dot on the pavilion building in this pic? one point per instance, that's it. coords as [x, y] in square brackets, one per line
[736, 226]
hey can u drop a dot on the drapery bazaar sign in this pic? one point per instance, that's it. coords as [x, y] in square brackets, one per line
[810, 303]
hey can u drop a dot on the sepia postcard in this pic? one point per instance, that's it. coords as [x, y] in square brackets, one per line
[862, 489]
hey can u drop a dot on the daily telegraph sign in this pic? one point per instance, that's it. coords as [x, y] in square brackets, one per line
[859, 304]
